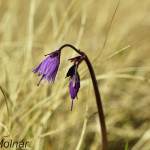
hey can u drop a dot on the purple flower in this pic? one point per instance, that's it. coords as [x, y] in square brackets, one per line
[74, 82]
[48, 67]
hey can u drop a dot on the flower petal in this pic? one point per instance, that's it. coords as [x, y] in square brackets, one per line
[40, 80]
[48, 67]
[37, 69]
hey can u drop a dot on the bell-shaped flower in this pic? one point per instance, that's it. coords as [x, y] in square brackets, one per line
[48, 67]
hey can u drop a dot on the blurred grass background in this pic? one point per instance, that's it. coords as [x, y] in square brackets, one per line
[31, 28]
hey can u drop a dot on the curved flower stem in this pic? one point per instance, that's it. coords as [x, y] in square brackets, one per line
[97, 95]
[71, 46]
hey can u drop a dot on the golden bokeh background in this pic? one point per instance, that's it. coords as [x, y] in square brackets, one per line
[117, 41]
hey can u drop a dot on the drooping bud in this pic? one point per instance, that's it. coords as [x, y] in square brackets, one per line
[74, 82]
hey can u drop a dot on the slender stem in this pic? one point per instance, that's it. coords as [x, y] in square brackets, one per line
[99, 105]
[97, 95]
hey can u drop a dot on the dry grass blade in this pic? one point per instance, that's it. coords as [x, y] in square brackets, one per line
[6, 101]
[116, 53]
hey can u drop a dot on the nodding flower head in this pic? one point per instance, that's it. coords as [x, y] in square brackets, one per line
[48, 67]
[74, 82]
